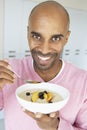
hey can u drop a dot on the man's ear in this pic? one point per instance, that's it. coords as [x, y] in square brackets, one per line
[27, 29]
[27, 32]
[67, 36]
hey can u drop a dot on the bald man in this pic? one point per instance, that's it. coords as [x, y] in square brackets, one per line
[48, 33]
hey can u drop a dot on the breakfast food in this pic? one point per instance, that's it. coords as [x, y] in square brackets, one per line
[40, 96]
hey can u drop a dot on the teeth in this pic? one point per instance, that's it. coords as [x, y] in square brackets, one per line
[44, 58]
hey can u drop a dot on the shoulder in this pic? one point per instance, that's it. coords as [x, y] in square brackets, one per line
[20, 63]
[75, 70]
[20, 60]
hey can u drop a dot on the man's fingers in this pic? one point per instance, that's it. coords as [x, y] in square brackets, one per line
[4, 63]
[38, 115]
[31, 114]
[6, 74]
[54, 115]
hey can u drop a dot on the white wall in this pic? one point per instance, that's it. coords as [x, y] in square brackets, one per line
[1, 27]
[76, 49]
[76, 4]
[15, 27]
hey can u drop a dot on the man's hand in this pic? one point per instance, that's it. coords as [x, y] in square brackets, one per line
[45, 121]
[6, 74]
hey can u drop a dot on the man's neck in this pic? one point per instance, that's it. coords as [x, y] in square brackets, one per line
[49, 74]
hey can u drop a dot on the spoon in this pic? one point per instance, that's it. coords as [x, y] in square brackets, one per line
[27, 81]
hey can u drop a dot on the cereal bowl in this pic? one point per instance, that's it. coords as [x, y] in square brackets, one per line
[42, 97]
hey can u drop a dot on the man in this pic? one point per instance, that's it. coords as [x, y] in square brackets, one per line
[48, 32]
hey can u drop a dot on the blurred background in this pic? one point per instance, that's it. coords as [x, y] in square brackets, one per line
[13, 32]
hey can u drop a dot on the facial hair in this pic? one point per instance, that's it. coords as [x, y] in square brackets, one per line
[46, 65]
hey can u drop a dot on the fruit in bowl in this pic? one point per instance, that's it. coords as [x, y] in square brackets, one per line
[42, 97]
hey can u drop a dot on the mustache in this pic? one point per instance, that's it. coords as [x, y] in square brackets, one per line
[44, 55]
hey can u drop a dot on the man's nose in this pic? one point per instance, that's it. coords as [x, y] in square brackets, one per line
[45, 48]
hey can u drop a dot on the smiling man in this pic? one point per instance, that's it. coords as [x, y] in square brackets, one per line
[48, 33]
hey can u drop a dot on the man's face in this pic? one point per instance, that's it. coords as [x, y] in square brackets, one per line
[47, 37]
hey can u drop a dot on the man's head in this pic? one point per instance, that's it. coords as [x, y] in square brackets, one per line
[48, 32]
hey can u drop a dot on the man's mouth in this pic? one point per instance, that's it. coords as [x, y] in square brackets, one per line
[43, 58]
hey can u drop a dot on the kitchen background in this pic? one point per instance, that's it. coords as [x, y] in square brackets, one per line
[13, 32]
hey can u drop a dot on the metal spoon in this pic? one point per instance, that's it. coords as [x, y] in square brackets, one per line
[27, 81]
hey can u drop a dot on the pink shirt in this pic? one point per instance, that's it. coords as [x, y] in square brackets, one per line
[72, 117]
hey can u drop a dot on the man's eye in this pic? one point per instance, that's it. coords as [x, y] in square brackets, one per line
[36, 37]
[56, 38]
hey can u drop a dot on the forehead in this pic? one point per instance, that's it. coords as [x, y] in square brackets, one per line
[45, 24]
[52, 19]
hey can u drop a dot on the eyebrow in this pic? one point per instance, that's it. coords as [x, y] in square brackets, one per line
[55, 35]
[35, 33]
[58, 35]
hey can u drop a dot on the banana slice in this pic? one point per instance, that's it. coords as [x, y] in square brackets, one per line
[34, 96]
[41, 95]
[49, 96]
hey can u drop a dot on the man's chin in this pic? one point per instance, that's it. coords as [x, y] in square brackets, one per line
[43, 67]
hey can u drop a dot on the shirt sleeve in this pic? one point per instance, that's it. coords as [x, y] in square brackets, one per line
[80, 121]
[1, 100]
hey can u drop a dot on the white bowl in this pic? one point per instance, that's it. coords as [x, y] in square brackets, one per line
[44, 108]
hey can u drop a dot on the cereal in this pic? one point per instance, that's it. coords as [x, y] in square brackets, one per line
[40, 96]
